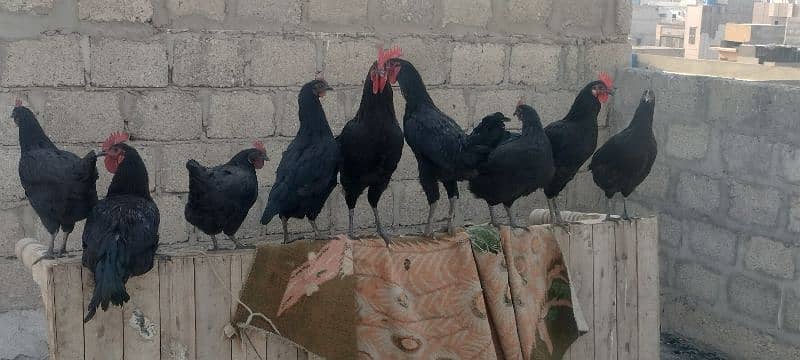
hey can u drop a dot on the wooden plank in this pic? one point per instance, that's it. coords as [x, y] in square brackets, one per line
[212, 306]
[562, 237]
[302, 354]
[627, 293]
[69, 312]
[279, 348]
[47, 289]
[141, 316]
[605, 292]
[103, 337]
[238, 347]
[582, 268]
[647, 265]
[255, 343]
[176, 296]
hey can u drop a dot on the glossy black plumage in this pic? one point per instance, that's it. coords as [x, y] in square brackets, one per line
[307, 172]
[220, 197]
[625, 160]
[439, 144]
[121, 234]
[371, 145]
[520, 165]
[59, 185]
[573, 140]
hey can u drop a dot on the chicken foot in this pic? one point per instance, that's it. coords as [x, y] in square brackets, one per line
[49, 254]
[239, 245]
[63, 250]
[383, 234]
[555, 215]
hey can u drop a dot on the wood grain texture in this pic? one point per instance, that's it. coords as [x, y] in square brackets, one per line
[627, 292]
[69, 312]
[141, 316]
[647, 268]
[605, 292]
[177, 300]
[103, 337]
[212, 306]
[581, 253]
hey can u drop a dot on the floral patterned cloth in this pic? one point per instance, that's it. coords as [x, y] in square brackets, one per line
[481, 294]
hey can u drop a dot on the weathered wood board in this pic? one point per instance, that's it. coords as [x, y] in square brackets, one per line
[180, 308]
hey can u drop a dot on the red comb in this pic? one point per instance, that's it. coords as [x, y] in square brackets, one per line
[384, 56]
[17, 103]
[257, 144]
[114, 139]
[520, 102]
[606, 79]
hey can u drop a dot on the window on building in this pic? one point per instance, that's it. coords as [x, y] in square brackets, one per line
[692, 35]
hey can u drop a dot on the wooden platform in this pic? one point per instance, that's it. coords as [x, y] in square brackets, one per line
[178, 310]
[181, 308]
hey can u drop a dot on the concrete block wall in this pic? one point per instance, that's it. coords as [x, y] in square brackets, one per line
[200, 79]
[725, 186]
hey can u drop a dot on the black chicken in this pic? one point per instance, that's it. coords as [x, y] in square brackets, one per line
[439, 144]
[307, 171]
[574, 138]
[59, 185]
[372, 142]
[490, 131]
[625, 160]
[520, 165]
[121, 234]
[220, 197]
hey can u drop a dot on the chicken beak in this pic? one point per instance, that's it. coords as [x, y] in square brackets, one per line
[264, 157]
[505, 119]
[99, 153]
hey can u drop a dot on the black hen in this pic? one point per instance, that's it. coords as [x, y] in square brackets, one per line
[520, 165]
[490, 132]
[121, 235]
[371, 143]
[59, 185]
[574, 138]
[307, 171]
[220, 197]
[439, 144]
[625, 160]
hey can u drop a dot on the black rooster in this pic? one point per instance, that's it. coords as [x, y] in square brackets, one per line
[574, 138]
[220, 197]
[372, 142]
[59, 185]
[625, 160]
[307, 171]
[121, 235]
[439, 144]
[520, 165]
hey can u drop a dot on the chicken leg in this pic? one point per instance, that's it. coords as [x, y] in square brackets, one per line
[428, 228]
[63, 250]
[625, 209]
[317, 235]
[214, 246]
[492, 217]
[451, 229]
[379, 227]
[511, 220]
[50, 254]
[284, 223]
[350, 232]
[239, 245]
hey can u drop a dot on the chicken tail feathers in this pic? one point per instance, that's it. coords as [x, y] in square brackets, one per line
[109, 282]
